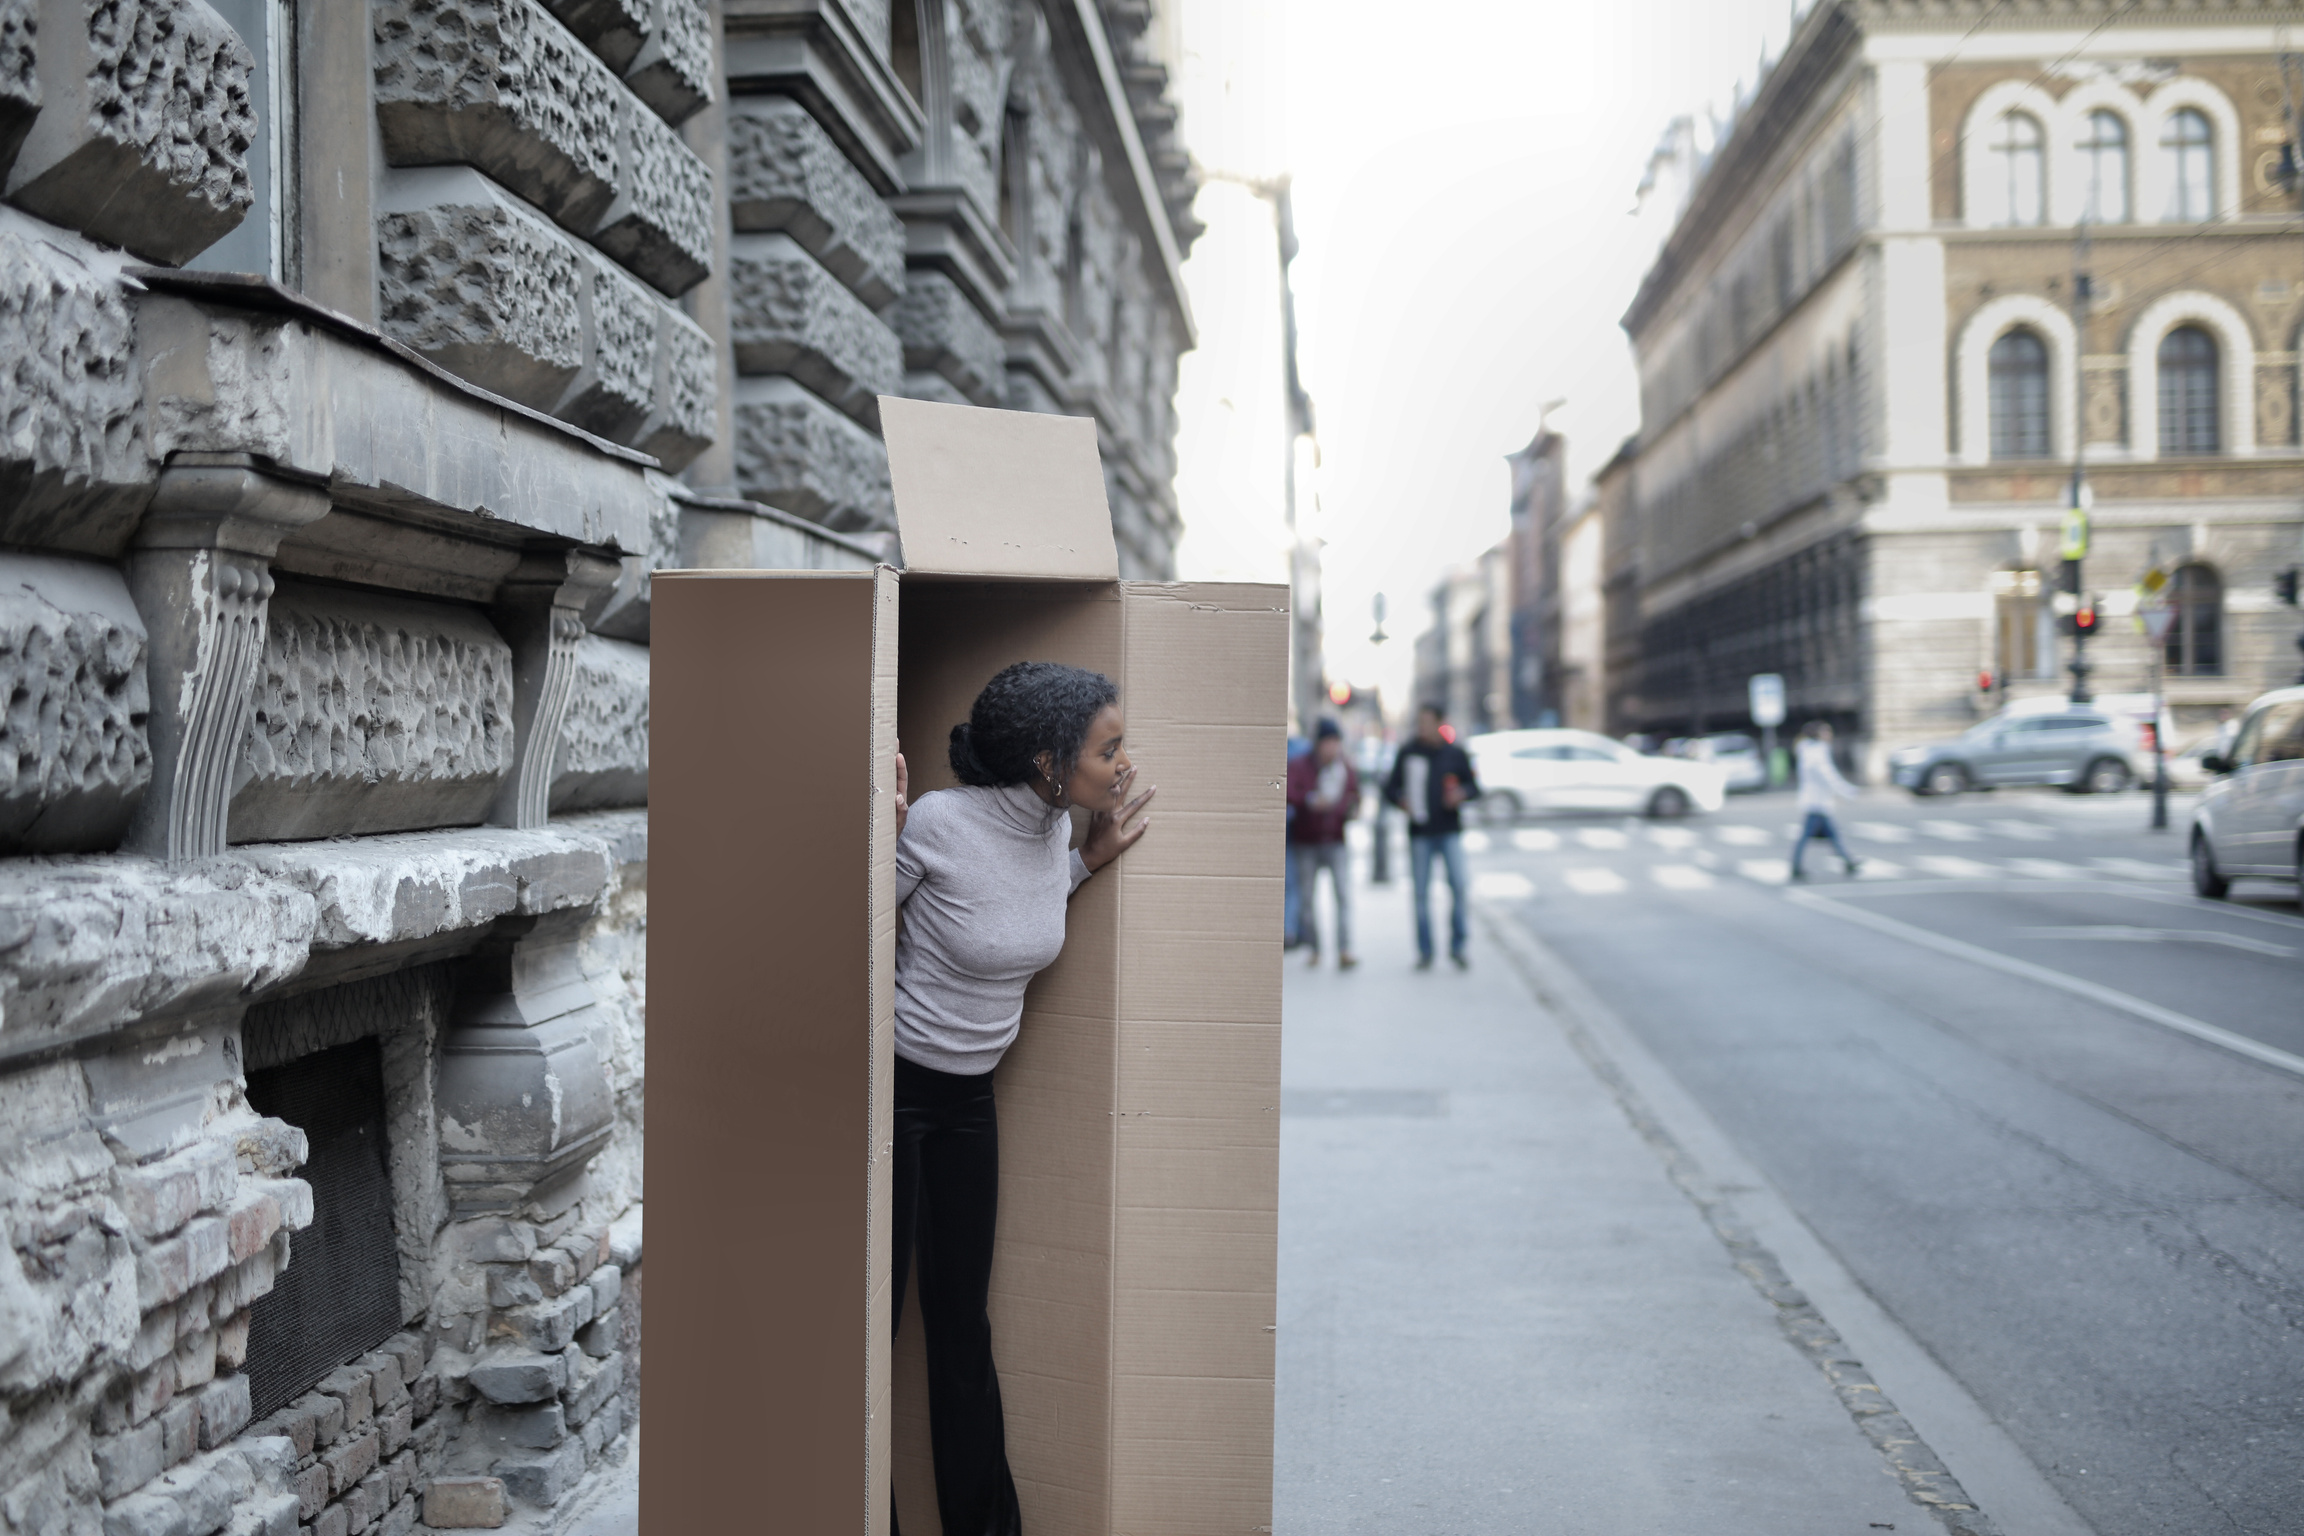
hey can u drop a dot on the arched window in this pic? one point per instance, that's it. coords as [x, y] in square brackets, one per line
[2017, 150]
[2189, 393]
[2196, 640]
[2191, 149]
[2105, 154]
[2018, 366]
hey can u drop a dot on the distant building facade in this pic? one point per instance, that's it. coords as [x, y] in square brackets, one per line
[364, 358]
[1863, 385]
[1464, 655]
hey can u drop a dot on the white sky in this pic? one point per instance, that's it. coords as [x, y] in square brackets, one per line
[1464, 174]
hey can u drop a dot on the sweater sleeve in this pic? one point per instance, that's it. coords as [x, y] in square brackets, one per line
[1080, 870]
[911, 868]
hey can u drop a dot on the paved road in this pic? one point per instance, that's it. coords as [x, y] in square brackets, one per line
[2045, 1105]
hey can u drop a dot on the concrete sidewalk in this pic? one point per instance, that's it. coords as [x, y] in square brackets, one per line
[1497, 1311]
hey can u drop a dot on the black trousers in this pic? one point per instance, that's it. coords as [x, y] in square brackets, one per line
[947, 1202]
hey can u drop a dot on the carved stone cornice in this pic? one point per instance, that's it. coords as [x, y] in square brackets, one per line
[523, 1097]
[200, 572]
[540, 609]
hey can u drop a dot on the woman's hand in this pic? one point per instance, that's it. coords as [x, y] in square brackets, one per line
[903, 791]
[1110, 833]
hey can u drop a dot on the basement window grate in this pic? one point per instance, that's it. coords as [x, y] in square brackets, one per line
[339, 1296]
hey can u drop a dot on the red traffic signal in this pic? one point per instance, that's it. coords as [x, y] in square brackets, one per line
[1984, 681]
[2084, 619]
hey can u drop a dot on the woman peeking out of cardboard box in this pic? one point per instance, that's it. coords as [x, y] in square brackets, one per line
[983, 876]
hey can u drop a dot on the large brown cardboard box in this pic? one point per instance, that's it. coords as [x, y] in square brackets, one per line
[1133, 1288]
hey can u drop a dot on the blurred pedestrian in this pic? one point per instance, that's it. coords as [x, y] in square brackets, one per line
[1431, 779]
[1820, 785]
[1292, 896]
[1323, 795]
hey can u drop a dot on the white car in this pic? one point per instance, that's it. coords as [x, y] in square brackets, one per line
[2250, 820]
[1563, 770]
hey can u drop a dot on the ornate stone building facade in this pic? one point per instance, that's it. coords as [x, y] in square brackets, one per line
[1863, 384]
[361, 361]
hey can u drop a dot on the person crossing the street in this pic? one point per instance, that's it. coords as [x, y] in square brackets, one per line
[1820, 784]
[1323, 794]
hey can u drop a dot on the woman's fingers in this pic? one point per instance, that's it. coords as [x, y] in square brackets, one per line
[1137, 804]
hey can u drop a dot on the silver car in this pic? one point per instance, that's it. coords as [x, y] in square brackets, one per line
[2250, 820]
[2081, 749]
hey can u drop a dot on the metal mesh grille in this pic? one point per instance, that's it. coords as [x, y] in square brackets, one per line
[339, 1297]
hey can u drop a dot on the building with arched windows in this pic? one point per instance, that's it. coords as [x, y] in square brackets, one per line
[1865, 381]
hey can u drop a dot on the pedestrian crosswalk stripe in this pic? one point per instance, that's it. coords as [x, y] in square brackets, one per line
[1744, 837]
[1879, 869]
[1680, 877]
[1475, 841]
[1951, 868]
[1672, 837]
[1503, 885]
[1535, 840]
[2025, 831]
[1593, 881]
[2047, 869]
[1602, 837]
[2140, 869]
[1951, 831]
[1766, 871]
[1882, 832]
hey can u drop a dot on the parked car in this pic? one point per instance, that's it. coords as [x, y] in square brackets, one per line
[2186, 770]
[2250, 820]
[1736, 753]
[2084, 750]
[1564, 770]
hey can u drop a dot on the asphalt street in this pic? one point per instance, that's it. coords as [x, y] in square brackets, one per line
[2043, 1104]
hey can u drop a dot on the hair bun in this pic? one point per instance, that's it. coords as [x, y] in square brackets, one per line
[966, 766]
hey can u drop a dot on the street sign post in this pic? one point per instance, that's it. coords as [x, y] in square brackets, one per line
[2156, 615]
[1766, 692]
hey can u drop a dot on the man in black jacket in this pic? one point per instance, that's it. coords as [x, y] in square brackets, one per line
[1431, 779]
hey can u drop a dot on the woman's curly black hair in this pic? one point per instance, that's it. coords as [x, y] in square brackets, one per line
[1029, 708]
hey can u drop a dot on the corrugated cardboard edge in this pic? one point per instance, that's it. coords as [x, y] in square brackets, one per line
[1195, 1203]
[1015, 494]
[881, 1069]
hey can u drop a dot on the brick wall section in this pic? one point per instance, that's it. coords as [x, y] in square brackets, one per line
[367, 1441]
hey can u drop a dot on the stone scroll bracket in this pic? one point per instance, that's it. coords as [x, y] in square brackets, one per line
[523, 1100]
[540, 610]
[200, 572]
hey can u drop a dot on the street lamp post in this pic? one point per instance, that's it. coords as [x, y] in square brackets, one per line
[2080, 498]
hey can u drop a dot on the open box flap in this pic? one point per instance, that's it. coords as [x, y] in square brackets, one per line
[998, 493]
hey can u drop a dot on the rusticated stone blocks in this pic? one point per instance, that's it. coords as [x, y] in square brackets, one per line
[673, 72]
[72, 473]
[789, 315]
[484, 289]
[500, 86]
[613, 396]
[373, 714]
[946, 335]
[74, 758]
[603, 757]
[686, 418]
[497, 84]
[661, 222]
[785, 174]
[662, 48]
[19, 77]
[797, 453]
[144, 127]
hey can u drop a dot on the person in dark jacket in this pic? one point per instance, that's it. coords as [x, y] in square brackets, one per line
[1431, 780]
[1323, 794]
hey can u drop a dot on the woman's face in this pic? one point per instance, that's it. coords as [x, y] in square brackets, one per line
[1100, 780]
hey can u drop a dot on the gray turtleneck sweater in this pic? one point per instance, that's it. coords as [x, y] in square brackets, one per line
[982, 878]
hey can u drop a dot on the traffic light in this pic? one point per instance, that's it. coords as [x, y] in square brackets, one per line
[2068, 577]
[1984, 681]
[2284, 585]
[2080, 622]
